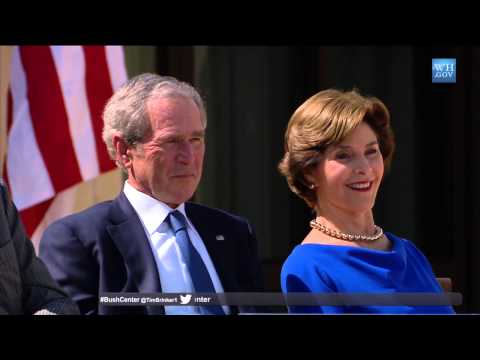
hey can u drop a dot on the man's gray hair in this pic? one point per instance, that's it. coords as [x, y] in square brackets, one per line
[125, 114]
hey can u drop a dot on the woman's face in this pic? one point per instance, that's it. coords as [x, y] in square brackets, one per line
[348, 175]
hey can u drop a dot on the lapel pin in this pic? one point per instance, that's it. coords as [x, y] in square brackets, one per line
[219, 237]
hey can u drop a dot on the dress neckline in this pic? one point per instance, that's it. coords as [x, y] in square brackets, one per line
[393, 240]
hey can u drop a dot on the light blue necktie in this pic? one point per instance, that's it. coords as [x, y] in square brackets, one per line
[198, 271]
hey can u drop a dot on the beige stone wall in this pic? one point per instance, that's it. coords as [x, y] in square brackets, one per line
[5, 52]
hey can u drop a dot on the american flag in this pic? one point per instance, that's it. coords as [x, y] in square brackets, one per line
[54, 125]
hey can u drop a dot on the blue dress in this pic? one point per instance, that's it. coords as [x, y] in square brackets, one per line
[319, 268]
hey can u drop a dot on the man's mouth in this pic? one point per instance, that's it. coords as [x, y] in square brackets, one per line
[183, 176]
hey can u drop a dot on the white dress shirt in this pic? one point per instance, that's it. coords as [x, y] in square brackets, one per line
[172, 269]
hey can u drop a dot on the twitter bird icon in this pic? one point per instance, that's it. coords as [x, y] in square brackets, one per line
[185, 299]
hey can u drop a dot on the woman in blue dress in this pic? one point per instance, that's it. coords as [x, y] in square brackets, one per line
[337, 147]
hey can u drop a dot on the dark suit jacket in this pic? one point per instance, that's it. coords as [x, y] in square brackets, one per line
[26, 287]
[105, 249]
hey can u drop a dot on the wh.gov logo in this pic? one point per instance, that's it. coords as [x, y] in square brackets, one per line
[444, 70]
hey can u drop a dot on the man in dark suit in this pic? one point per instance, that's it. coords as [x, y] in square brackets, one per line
[26, 287]
[150, 239]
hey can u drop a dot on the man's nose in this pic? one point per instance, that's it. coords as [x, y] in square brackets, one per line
[185, 153]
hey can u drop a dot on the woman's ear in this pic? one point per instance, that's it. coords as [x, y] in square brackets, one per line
[310, 177]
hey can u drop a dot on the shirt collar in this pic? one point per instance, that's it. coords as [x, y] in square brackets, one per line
[151, 211]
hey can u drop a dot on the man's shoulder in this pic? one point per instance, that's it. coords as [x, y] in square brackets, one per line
[212, 212]
[92, 215]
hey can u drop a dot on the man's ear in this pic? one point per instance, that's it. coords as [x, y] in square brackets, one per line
[123, 151]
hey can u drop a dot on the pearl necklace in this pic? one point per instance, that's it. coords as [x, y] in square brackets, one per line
[348, 237]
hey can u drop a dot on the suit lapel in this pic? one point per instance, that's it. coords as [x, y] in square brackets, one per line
[217, 249]
[128, 235]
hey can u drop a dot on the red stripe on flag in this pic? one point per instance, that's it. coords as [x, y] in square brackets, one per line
[9, 110]
[49, 117]
[32, 216]
[99, 89]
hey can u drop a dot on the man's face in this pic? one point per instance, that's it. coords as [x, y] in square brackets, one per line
[168, 164]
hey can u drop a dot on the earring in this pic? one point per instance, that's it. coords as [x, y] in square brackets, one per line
[312, 186]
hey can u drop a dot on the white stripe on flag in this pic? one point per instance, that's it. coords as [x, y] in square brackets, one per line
[28, 176]
[70, 65]
[116, 65]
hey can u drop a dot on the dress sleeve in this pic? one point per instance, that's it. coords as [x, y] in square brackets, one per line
[424, 266]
